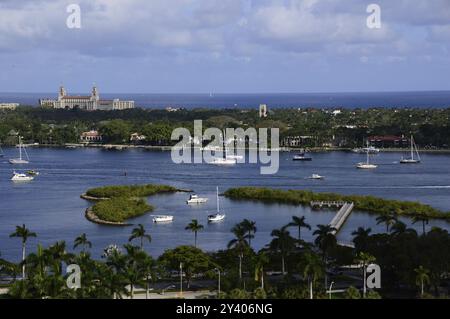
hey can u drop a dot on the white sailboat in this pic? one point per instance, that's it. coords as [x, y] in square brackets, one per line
[20, 160]
[217, 217]
[367, 164]
[414, 151]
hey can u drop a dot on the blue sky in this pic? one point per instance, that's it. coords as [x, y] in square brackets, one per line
[224, 46]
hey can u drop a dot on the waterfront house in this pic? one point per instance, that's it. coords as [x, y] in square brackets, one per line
[91, 137]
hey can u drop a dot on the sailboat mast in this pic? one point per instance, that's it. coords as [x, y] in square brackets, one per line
[20, 148]
[217, 195]
[412, 147]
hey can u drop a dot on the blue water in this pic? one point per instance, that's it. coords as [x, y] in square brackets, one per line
[50, 205]
[436, 99]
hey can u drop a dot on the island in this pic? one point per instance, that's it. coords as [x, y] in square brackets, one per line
[114, 205]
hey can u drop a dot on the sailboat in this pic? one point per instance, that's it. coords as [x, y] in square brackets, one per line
[412, 159]
[366, 165]
[20, 160]
[217, 217]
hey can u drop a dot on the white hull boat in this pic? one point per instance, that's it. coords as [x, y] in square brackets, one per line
[19, 177]
[218, 216]
[162, 219]
[367, 164]
[223, 161]
[414, 151]
[194, 199]
[316, 176]
[20, 160]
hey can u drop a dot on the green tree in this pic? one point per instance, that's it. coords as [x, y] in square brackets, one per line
[83, 242]
[194, 227]
[364, 259]
[352, 293]
[388, 220]
[193, 259]
[422, 278]
[312, 269]
[24, 233]
[141, 234]
[250, 228]
[421, 219]
[239, 243]
[361, 238]
[261, 260]
[283, 243]
[116, 131]
[300, 223]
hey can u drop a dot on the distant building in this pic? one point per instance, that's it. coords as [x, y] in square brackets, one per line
[91, 137]
[88, 103]
[262, 110]
[136, 137]
[388, 141]
[8, 106]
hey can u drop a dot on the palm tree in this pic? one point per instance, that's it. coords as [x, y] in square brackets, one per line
[195, 227]
[388, 220]
[82, 241]
[24, 233]
[250, 228]
[361, 237]
[300, 223]
[364, 259]
[421, 219]
[239, 243]
[422, 278]
[140, 233]
[283, 243]
[312, 270]
[261, 260]
[400, 228]
[325, 238]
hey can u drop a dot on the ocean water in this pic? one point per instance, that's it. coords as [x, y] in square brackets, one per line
[431, 99]
[51, 204]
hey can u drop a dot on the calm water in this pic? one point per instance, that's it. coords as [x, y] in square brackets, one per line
[50, 205]
[436, 99]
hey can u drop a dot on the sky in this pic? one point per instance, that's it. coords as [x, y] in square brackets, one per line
[224, 46]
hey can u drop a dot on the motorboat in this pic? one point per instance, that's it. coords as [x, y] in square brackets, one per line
[316, 176]
[162, 219]
[218, 216]
[368, 149]
[223, 161]
[195, 199]
[414, 151]
[301, 157]
[20, 177]
[32, 172]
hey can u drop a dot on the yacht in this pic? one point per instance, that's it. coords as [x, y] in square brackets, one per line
[301, 157]
[20, 177]
[218, 216]
[367, 164]
[368, 149]
[194, 199]
[162, 219]
[223, 161]
[414, 151]
[316, 176]
[20, 160]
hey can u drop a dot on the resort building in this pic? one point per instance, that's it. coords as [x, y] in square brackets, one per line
[89, 103]
[388, 141]
[91, 137]
[8, 106]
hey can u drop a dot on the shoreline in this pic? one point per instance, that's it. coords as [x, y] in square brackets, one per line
[92, 217]
[168, 148]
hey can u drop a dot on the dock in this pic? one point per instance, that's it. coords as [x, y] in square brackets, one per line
[345, 209]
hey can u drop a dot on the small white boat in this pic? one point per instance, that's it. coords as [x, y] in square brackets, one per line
[20, 177]
[218, 216]
[234, 157]
[223, 161]
[316, 176]
[162, 219]
[194, 199]
[369, 149]
[20, 160]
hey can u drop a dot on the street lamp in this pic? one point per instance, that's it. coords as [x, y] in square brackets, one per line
[218, 284]
[181, 279]
[331, 287]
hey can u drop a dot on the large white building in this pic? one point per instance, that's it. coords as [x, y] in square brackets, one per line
[88, 103]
